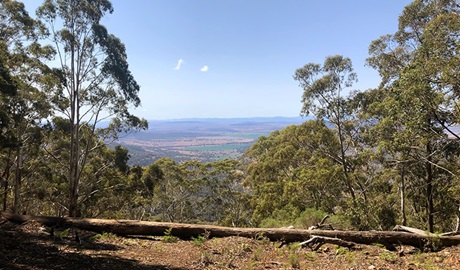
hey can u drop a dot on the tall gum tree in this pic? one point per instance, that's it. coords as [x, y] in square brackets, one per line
[419, 98]
[23, 66]
[8, 89]
[96, 83]
[323, 91]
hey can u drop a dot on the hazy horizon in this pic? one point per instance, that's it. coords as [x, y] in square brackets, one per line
[231, 118]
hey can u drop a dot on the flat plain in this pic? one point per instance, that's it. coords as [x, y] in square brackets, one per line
[204, 140]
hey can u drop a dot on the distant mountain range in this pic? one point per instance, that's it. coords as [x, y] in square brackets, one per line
[202, 139]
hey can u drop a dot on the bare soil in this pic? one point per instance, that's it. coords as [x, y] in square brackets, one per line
[30, 246]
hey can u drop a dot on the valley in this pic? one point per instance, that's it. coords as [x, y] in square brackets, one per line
[204, 140]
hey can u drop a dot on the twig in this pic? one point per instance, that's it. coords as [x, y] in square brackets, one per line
[321, 225]
[315, 242]
[401, 228]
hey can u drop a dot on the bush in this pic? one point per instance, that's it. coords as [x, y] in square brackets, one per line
[270, 223]
[309, 217]
[279, 218]
[168, 238]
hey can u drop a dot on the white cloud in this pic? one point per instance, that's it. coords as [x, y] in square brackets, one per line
[179, 64]
[204, 69]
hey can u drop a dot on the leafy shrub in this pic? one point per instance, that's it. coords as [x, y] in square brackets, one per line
[198, 241]
[270, 223]
[168, 238]
[309, 217]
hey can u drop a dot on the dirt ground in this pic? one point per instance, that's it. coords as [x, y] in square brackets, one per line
[30, 246]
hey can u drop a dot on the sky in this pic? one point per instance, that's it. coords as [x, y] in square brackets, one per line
[237, 58]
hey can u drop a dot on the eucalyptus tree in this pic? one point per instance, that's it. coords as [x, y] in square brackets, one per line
[24, 70]
[419, 97]
[323, 95]
[294, 169]
[96, 83]
[222, 196]
[109, 192]
[7, 89]
[175, 187]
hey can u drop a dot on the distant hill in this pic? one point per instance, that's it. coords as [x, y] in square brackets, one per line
[203, 139]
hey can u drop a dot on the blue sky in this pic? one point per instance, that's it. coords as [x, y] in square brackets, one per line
[236, 58]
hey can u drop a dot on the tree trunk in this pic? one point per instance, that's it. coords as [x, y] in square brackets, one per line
[73, 195]
[429, 189]
[74, 138]
[6, 177]
[403, 198]
[186, 231]
[17, 180]
[343, 157]
[457, 226]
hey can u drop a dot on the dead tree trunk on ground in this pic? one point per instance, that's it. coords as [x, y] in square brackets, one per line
[186, 231]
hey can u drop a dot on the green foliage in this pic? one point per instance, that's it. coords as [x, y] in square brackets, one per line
[121, 159]
[434, 243]
[102, 236]
[63, 234]
[311, 256]
[168, 238]
[309, 217]
[192, 192]
[94, 79]
[294, 260]
[388, 256]
[151, 177]
[323, 88]
[384, 147]
[292, 170]
[24, 105]
[279, 218]
[341, 251]
[198, 241]
[272, 223]
[417, 105]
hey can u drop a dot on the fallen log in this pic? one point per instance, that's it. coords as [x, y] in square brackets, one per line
[186, 231]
